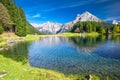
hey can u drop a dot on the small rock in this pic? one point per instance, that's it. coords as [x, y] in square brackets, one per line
[88, 77]
[1, 49]
[2, 74]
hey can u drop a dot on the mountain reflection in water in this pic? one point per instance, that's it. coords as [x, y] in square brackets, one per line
[78, 55]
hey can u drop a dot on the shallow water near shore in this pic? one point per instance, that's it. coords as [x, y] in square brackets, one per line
[77, 55]
[83, 55]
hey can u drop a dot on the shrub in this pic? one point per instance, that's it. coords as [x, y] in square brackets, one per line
[1, 29]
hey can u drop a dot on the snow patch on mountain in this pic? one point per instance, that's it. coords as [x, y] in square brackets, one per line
[53, 28]
[115, 22]
[86, 16]
[49, 27]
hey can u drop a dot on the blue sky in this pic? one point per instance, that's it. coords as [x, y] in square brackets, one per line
[62, 11]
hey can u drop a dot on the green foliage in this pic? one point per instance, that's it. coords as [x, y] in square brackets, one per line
[101, 29]
[1, 29]
[16, 16]
[4, 16]
[89, 27]
[114, 29]
[31, 30]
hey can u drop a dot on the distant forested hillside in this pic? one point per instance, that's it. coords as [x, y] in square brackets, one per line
[90, 26]
[13, 18]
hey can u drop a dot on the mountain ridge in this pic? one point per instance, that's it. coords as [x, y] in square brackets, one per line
[49, 27]
[86, 16]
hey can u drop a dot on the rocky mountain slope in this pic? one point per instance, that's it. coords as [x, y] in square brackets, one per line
[53, 28]
[115, 22]
[49, 27]
[86, 16]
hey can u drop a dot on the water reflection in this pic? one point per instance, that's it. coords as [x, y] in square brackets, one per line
[87, 44]
[70, 55]
[49, 41]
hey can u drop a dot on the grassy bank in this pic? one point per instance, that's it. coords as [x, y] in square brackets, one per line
[36, 37]
[20, 71]
[14, 61]
[11, 36]
[78, 34]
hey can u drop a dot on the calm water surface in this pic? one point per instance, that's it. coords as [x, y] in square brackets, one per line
[77, 55]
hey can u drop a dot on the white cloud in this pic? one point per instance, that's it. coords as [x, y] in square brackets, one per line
[36, 16]
[68, 5]
[74, 4]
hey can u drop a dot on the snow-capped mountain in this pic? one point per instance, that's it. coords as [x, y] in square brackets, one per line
[115, 22]
[53, 28]
[49, 27]
[86, 16]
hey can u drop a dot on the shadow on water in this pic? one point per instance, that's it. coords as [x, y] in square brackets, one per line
[74, 55]
[110, 49]
[105, 46]
[18, 52]
[88, 41]
[87, 44]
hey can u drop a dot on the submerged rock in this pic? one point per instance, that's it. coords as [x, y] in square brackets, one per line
[88, 77]
[2, 74]
[11, 41]
[1, 49]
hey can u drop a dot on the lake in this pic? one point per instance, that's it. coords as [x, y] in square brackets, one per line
[78, 55]
[71, 55]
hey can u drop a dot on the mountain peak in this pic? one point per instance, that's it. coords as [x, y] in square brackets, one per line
[53, 28]
[115, 22]
[86, 16]
[86, 12]
[49, 27]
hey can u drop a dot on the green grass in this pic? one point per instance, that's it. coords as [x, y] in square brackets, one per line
[36, 37]
[18, 71]
[15, 62]
[32, 37]
[1, 39]
[68, 34]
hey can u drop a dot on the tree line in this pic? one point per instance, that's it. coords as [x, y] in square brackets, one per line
[90, 26]
[13, 18]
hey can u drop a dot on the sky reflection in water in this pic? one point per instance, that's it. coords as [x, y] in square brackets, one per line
[77, 55]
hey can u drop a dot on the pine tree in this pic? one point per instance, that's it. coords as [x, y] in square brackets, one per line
[88, 27]
[17, 17]
[94, 25]
[4, 17]
[101, 29]
[114, 29]
[81, 26]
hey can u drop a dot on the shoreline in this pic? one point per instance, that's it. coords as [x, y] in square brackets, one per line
[27, 72]
[7, 38]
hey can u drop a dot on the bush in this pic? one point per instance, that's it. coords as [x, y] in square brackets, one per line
[1, 29]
